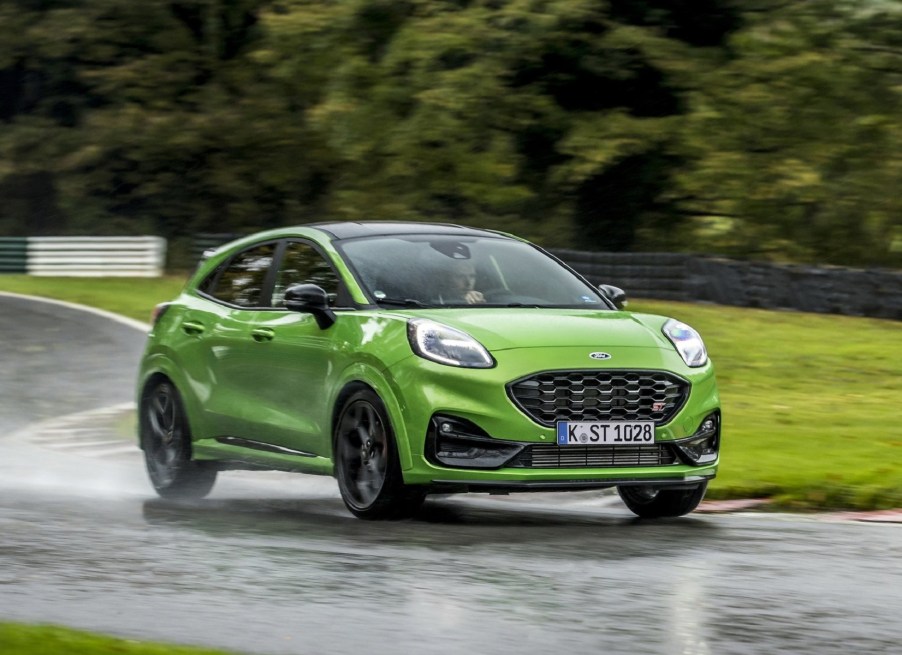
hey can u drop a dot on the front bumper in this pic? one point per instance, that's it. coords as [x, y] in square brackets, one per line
[456, 443]
[478, 398]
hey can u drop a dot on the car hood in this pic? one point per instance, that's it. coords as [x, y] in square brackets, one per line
[503, 329]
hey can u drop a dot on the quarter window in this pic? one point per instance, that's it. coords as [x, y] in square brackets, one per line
[303, 264]
[241, 283]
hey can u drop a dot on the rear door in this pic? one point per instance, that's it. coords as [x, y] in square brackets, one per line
[221, 346]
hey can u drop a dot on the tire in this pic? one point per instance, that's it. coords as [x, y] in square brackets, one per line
[652, 503]
[366, 461]
[166, 442]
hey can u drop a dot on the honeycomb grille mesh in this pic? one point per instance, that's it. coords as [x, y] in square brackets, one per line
[595, 395]
[545, 456]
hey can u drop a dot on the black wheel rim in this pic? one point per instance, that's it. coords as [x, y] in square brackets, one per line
[163, 438]
[362, 444]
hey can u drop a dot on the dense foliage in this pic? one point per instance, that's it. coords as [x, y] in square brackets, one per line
[752, 128]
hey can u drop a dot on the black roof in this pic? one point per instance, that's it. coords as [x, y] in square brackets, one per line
[351, 230]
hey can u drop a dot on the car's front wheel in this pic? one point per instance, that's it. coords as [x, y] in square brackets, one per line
[652, 503]
[166, 441]
[366, 461]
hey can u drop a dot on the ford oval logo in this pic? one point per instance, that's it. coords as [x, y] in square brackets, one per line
[600, 355]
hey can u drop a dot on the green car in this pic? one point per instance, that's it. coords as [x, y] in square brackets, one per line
[408, 359]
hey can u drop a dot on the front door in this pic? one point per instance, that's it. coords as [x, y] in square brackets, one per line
[292, 363]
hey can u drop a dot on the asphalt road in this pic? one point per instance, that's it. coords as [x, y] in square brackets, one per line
[272, 563]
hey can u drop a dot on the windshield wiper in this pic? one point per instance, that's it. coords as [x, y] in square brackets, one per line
[400, 302]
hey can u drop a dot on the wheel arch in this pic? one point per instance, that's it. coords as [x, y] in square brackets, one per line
[381, 388]
[155, 367]
[152, 376]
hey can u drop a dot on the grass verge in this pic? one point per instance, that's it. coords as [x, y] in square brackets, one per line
[810, 401]
[132, 297]
[49, 640]
[810, 405]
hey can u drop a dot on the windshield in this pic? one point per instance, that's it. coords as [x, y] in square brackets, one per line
[448, 271]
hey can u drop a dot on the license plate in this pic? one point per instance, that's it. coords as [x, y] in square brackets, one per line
[578, 433]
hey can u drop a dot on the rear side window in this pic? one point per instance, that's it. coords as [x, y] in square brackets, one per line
[241, 282]
[303, 264]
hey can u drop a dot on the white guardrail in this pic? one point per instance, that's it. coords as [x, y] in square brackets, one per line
[96, 256]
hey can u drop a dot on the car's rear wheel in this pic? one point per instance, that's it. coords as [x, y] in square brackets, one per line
[366, 461]
[166, 441]
[649, 502]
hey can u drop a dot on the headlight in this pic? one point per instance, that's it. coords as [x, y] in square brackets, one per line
[446, 345]
[687, 342]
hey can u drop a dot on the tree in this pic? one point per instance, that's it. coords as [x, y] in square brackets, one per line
[551, 118]
[794, 144]
[762, 128]
[156, 116]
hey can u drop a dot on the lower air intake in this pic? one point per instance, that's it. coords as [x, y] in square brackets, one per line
[549, 456]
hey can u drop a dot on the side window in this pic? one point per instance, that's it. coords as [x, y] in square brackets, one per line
[241, 282]
[302, 264]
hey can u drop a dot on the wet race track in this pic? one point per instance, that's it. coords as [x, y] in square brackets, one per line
[272, 563]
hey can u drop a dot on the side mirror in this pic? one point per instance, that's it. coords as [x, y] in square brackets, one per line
[615, 294]
[310, 299]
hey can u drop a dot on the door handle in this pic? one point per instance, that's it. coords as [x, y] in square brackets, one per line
[262, 334]
[193, 328]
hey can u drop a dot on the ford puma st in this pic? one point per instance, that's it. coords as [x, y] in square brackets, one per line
[408, 359]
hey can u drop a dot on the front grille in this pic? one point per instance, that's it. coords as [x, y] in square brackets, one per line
[595, 395]
[550, 456]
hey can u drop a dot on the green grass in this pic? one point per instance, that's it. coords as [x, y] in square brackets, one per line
[132, 297]
[811, 405]
[811, 401]
[48, 640]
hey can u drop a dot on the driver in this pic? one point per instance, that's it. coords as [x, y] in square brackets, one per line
[461, 280]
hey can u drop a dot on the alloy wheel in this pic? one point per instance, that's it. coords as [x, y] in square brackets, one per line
[163, 438]
[362, 452]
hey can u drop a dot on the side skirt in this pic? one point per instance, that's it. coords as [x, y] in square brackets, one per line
[234, 453]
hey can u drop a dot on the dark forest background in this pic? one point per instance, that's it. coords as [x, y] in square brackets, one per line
[756, 129]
